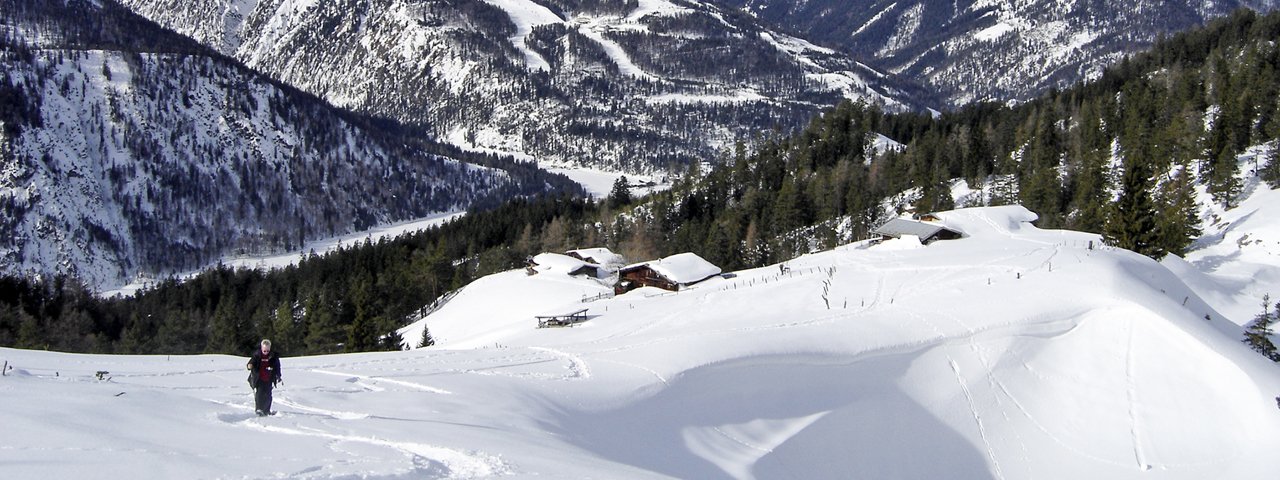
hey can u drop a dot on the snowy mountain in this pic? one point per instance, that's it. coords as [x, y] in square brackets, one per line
[129, 149]
[1013, 352]
[990, 50]
[639, 86]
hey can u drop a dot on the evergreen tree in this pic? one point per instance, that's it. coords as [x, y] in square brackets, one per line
[1179, 218]
[361, 336]
[1257, 334]
[232, 333]
[426, 340]
[323, 328]
[620, 196]
[1131, 223]
[30, 335]
[284, 335]
[1271, 171]
[1223, 183]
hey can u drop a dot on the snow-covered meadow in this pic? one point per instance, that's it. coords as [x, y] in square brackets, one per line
[1014, 352]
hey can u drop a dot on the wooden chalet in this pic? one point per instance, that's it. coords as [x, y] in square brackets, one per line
[926, 231]
[670, 273]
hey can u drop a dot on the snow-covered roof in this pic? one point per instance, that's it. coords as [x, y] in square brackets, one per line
[901, 226]
[602, 256]
[682, 268]
[555, 262]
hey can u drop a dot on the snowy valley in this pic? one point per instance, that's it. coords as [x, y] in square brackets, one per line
[130, 150]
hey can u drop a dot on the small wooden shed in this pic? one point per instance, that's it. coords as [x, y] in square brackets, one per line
[670, 273]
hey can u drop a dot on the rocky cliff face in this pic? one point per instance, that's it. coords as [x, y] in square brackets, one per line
[634, 85]
[970, 50]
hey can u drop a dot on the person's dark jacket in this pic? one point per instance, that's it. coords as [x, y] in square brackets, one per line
[255, 363]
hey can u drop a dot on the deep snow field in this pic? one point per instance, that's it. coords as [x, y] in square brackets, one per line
[1013, 353]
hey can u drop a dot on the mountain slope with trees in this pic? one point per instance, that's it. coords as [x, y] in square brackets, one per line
[130, 149]
[636, 86]
[1124, 156]
[984, 50]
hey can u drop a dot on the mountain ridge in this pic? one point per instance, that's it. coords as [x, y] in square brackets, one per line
[641, 87]
[162, 156]
[984, 50]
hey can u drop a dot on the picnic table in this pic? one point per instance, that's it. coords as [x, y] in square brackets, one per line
[563, 319]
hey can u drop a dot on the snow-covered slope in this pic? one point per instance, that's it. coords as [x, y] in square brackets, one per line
[1237, 259]
[623, 86]
[988, 49]
[1011, 353]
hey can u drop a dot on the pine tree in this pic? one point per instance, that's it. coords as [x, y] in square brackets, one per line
[323, 330]
[284, 336]
[426, 340]
[620, 196]
[361, 336]
[232, 333]
[1131, 223]
[1179, 218]
[1271, 171]
[1223, 184]
[1257, 334]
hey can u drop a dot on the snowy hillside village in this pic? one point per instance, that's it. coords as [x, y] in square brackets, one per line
[1007, 351]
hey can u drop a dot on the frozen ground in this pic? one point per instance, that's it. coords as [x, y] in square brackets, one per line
[1012, 353]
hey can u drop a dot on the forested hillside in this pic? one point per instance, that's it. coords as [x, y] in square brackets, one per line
[1122, 156]
[130, 149]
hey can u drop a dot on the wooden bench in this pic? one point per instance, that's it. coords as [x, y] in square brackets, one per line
[562, 320]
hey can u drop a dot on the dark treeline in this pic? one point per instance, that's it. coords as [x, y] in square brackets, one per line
[351, 299]
[1120, 156]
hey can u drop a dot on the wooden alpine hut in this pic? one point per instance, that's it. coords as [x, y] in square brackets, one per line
[925, 231]
[670, 273]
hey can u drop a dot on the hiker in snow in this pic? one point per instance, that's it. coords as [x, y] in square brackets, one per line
[264, 374]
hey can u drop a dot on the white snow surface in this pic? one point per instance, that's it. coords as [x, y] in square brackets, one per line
[1237, 259]
[526, 14]
[1014, 352]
